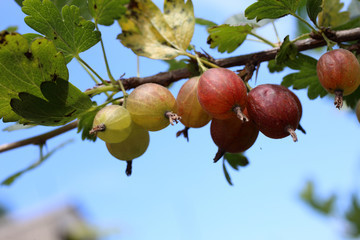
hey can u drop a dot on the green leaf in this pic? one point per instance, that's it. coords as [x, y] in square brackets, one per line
[271, 9]
[352, 99]
[23, 67]
[354, 8]
[180, 17]
[353, 23]
[70, 32]
[227, 38]
[10, 180]
[353, 216]
[240, 19]
[226, 173]
[105, 12]
[288, 52]
[313, 8]
[306, 77]
[19, 2]
[331, 15]
[323, 206]
[17, 126]
[236, 160]
[274, 67]
[86, 124]
[30, 37]
[204, 22]
[147, 32]
[81, 4]
[11, 29]
[64, 102]
[176, 64]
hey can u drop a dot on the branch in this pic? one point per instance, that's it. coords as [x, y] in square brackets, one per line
[40, 139]
[166, 78]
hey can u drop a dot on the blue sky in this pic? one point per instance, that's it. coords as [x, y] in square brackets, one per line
[176, 192]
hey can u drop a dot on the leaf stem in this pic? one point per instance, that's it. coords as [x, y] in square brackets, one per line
[276, 32]
[210, 64]
[112, 79]
[263, 39]
[92, 70]
[304, 21]
[100, 89]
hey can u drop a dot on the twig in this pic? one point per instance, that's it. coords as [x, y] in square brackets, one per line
[40, 139]
[166, 78]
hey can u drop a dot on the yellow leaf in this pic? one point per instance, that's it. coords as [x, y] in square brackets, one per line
[180, 17]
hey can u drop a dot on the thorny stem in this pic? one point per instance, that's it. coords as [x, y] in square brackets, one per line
[184, 132]
[165, 78]
[292, 133]
[240, 114]
[39, 139]
[173, 117]
[220, 153]
[128, 170]
[338, 99]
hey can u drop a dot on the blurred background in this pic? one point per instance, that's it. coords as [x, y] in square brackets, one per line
[176, 191]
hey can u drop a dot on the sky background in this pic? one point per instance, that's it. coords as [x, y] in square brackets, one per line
[176, 191]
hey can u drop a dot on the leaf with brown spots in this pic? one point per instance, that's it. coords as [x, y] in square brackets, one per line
[23, 67]
[146, 31]
[180, 17]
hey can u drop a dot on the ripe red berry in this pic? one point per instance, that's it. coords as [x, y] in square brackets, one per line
[222, 93]
[339, 73]
[233, 135]
[274, 110]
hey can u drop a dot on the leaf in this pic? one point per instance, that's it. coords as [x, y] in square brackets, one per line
[11, 29]
[288, 51]
[204, 22]
[10, 180]
[354, 8]
[240, 19]
[313, 8]
[180, 17]
[19, 2]
[227, 38]
[17, 126]
[274, 67]
[236, 160]
[306, 77]
[64, 102]
[30, 37]
[353, 23]
[86, 123]
[322, 206]
[23, 67]
[271, 9]
[146, 32]
[227, 175]
[70, 32]
[352, 99]
[176, 64]
[105, 12]
[331, 15]
[353, 216]
[81, 4]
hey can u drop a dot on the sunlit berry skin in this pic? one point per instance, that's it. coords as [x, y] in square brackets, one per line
[188, 106]
[148, 105]
[339, 69]
[220, 90]
[274, 110]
